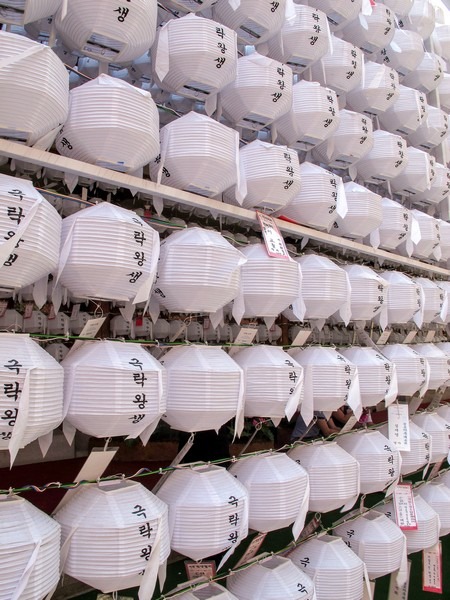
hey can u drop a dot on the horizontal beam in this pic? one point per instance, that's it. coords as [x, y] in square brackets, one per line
[137, 184]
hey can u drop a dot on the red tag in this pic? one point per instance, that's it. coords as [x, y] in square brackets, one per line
[432, 569]
[139, 321]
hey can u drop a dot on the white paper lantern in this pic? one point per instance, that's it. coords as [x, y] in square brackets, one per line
[260, 94]
[29, 550]
[444, 477]
[272, 176]
[437, 495]
[421, 18]
[427, 75]
[377, 375]
[404, 298]
[208, 510]
[432, 131]
[59, 324]
[193, 57]
[337, 572]
[351, 141]
[205, 592]
[364, 212]
[330, 381]
[36, 323]
[399, 7]
[385, 161]
[434, 297]
[109, 34]
[198, 155]
[319, 200]
[444, 409]
[11, 320]
[428, 244]
[198, 271]
[341, 69]
[406, 114]
[113, 389]
[396, 224]
[108, 252]
[34, 84]
[373, 31]
[405, 52]
[161, 329]
[31, 228]
[57, 350]
[314, 116]
[427, 533]
[110, 124]
[445, 289]
[419, 454]
[124, 517]
[278, 491]
[444, 92]
[440, 39]
[339, 12]
[438, 190]
[120, 327]
[368, 292]
[303, 39]
[376, 92]
[273, 382]
[438, 429]
[438, 363]
[378, 458]
[32, 400]
[412, 369]
[268, 285]
[333, 475]
[418, 174]
[21, 12]
[273, 578]
[253, 21]
[204, 388]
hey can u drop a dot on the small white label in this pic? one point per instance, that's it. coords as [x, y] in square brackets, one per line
[405, 507]
[430, 336]
[396, 592]
[252, 549]
[245, 336]
[301, 337]
[273, 239]
[205, 569]
[435, 470]
[398, 423]
[384, 337]
[349, 425]
[75, 312]
[369, 595]
[432, 569]
[409, 337]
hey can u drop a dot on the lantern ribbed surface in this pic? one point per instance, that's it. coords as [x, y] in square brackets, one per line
[124, 524]
[189, 5]
[368, 292]
[439, 187]
[418, 174]
[419, 455]
[434, 309]
[29, 551]
[444, 244]
[110, 124]
[428, 245]
[432, 131]
[444, 92]
[396, 224]
[34, 84]
[364, 212]
[437, 495]
[371, 32]
[207, 591]
[378, 90]
[278, 490]
[422, 18]
[399, 7]
[411, 51]
[22, 12]
[341, 69]
[378, 458]
[110, 34]
[385, 161]
[441, 41]
[407, 113]
[208, 510]
[338, 13]
[403, 297]
[333, 475]
[438, 428]
[412, 369]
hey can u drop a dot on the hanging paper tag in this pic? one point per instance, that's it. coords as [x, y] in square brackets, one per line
[399, 592]
[88, 331]
[3, 307]
[301, 337]
[75, 312]
[398, 422]
[273, 239]
[109, 597]
[409, 337]
[252, 549]
[435, 470]
[349, 425]
[384, 337]
[245, 336]
[51, 314]
[430, 336]
[369, 591]
[28, 310]
[432, 569]
[405, 507]
[203, 569]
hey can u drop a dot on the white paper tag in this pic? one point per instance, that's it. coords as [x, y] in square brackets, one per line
[405, 507]
[430, 336]
[206, 568]
[432, 569]
[368, 595]
[75, 312]
[409, 337]
[301, 337]
[397, 592]
[245, 336]
[88, 331]
[349, 425]
[435, 470]
[398, 423]
[384, 337]
[28, 310]
[273, 239]
[252, 549]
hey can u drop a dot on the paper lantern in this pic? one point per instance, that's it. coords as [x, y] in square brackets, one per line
[339, 13]
[198, 155]
[428, 244]
[444, 409]
[90, 266]
[438, 429]
[110, 124]
[36, 323]
[274, 577]
[208, 510]
[412, 369]
[404, 298]
[444, 92]
[395, 226]
[438, 363]
[57, 350]
[314, 116]
[421, 18]
[29, 550]
[260, 94]
[303, 39]
[373, 31]
[434, 309]
[419, 455]
[385, 161]
[28, 11]
[406, 114]
[253, 22]
[444, 477]
[124, 517]
[340, 69]
[204, 388]
[445, 314]
[364, 212]
[11, 320]
[268, 285]
[108, 34]
[34, 83]
[399, 7]
[77, 324]
[368, 292]
[198, 271]
[161, 329]
[437, 495]
[337, 572]
[59, 324]
[32, 400]
[31, 228]
[333, 475]
[189, 5]
[268, 334]
[273, 382]
[440, 39]
[193, 57]
[377, 375]
[427, 533]
[278, 491]
[427, 75]
[431, 131]
[272, 176]
[416, 176]
[405, 51]
[438, 190]
[376, 92]
[205, 592]
[330, 381]
[351, 141]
